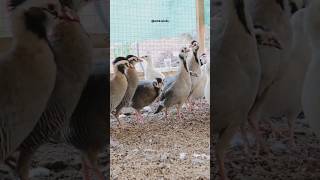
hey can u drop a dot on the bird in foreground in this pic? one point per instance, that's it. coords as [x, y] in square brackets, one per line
[287, 90]
[151, 73]
[132, 79]
[199, 89]
[170, 79]
[271, 19]
[311, 89]
[146, 93]
[118, 83]
[74, 56]
[205, 73]
[27, 71]
[236, 74]
[178, 91]
[194, 66]
[88, 125]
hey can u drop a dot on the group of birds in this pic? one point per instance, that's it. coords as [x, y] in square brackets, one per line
[265, 64]
[191, 82]
[50, 84]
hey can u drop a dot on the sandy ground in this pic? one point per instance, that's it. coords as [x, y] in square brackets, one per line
[157, 149]
[283, 162]
[172, 149]
[180, 150]
[160, 149]
[56, 162]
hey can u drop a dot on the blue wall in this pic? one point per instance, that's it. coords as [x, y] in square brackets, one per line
[130, 20]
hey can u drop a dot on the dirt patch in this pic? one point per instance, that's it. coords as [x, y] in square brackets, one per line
[160, 149]
[157, 149]
[283, 162]
[56, 162]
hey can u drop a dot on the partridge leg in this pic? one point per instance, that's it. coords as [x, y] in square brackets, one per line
[85, 168]
[221, 147]
[279, 132]
[23, 164]
[93, 159]
[137, 116]
[291, 119]
[190, 102]
[245, 139]
[140, 117]
[273, 130]
[11, 162]
[99, 173]
[260, 144]
[179, 116]
[192, 105]
[116, 115]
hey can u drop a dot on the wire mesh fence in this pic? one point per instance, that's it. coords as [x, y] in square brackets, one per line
[155, 28]
[140, 27]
